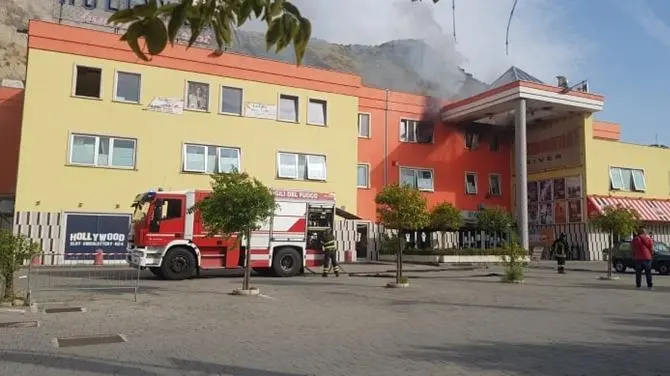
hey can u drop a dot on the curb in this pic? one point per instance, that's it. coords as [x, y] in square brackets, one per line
[394, 285]
[253, 291]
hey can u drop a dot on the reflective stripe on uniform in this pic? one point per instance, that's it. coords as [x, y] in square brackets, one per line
[330, 246]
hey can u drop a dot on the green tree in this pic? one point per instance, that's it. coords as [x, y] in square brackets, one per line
[401, 208]
[237, 206]
[617, 222]
[285, 24]
[498, 220]
[495, 219]
[445, 217]
[14, 251]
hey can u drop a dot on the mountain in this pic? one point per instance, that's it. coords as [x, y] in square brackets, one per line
[402, 65]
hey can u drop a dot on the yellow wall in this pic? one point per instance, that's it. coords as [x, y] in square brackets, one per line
[602, 154]
[51, 114]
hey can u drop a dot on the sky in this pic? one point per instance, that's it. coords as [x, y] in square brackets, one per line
[622, 47]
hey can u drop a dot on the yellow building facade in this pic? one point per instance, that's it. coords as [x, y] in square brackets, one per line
[100, 126]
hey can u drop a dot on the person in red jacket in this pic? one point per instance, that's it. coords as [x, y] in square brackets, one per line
[642, 254]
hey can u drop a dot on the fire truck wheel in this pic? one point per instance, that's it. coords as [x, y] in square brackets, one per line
[178, 264]
[286, 262]
[157, 272]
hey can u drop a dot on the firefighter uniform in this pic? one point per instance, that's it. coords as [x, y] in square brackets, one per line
[560, 248]
[329, 247]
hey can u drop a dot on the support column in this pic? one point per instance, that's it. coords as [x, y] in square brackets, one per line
[521, 167]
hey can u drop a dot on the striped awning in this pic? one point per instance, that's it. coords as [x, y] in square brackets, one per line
[650, 210]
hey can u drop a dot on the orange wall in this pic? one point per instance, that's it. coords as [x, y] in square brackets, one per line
[447, 156]
[605, 130]
[11, 108]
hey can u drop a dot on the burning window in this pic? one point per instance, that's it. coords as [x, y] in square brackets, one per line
[471, 140]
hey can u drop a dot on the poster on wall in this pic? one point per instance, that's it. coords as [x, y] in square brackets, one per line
[573, 186]
[575, 211]
[532, 213]
[559, 189]
[546, 213]
[260, 110]
[532, 191]
[85, 234]
[560, 212]
[546, 190]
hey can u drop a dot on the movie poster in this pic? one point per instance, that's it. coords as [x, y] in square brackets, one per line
[546, 213]
[573, 186]
[560, 212]
[546, 190]
[532, 191]
[575, 211]
[532, 213]
[559, 189]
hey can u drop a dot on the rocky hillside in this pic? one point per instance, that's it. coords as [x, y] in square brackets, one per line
[403, 65]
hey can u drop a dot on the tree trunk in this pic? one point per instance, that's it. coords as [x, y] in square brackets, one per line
[9, 286]
[398, 268]
[610, 256]
[247, 263]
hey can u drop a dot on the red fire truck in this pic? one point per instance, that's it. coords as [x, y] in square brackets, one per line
[172, 243]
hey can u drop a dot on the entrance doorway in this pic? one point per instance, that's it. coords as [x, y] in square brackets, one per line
[362, 236]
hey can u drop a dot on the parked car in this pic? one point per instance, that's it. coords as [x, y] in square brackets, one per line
[623, 257]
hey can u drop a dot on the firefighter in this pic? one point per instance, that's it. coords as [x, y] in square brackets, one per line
[329, 253]
[560, 249]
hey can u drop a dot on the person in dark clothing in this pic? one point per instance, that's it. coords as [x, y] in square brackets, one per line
[642, 254]
[560, 249]
[329, 247]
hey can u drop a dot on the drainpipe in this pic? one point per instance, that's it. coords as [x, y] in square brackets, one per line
[386, 133]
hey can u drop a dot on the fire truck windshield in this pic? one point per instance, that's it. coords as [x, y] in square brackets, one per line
[141, 205]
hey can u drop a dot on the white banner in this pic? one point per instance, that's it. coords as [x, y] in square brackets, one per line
[260, 110]
[166, 105]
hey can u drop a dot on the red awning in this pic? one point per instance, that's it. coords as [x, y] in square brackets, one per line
[650, 210]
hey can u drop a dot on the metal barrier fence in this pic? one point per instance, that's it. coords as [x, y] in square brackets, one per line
[63, 277]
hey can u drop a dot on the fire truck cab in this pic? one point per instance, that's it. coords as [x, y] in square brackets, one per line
[171, 241]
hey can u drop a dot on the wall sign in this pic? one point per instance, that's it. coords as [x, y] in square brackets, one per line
[554, 146]
[167, 105]
[302, 195]
[85, 234]
[260, 110]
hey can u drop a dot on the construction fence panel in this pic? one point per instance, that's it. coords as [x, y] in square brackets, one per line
[59, 277]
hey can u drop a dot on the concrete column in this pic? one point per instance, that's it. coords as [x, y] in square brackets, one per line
[520, 160]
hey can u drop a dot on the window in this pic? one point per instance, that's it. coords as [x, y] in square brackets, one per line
[102, 151]
[301, 166]
[494, 145]
[197, 96]
[363, 176]
[169, 208]
[210, 159]
[364, 125]
[417, 178]
[127, 87]
[494, 185]
[288, 108]
[88, 82]
[231, 100]
[471, 140]
[471, 183]
[627, 179]
[317, 112]
[408, 130]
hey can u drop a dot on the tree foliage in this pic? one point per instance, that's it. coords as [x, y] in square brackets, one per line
[401, 207]
[495, 219]
[237, 205]
[159, 24]
[14, 251]
[617, 220]
[445, 217]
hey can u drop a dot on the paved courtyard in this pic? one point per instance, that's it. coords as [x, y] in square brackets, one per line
[448, 323]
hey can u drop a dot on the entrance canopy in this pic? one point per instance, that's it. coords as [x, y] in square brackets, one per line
[496, 106]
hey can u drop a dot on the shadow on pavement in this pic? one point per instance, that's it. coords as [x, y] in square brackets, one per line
[110, 367]
[549, 359]
[648, 327]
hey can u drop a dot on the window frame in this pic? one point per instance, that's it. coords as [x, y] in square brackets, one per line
[499, 177]
[473, 145]
[416, 171]
[471, 173]
[325, 111]
[400, 125]
[297, 175]
[297, 108]
[218, 157]
[220, 110]
[96, 151]
[75, 75]
[209, 96]
[115, 97]
[617, 172]
[367, 175]
[358, 119]
[642, 174]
